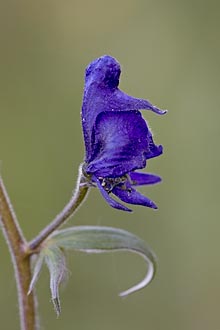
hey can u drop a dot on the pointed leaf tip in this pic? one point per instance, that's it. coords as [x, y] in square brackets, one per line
[57, 306]
[147, 279]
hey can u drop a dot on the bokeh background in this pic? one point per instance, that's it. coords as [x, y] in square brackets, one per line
[169, 52]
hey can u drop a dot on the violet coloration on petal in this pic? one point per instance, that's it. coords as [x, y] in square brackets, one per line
[117, 139]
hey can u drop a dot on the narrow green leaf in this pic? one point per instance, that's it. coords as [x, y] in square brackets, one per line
[96, 239]
[38, 262]
[55, 261]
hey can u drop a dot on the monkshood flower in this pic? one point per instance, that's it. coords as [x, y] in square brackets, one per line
[117, 139]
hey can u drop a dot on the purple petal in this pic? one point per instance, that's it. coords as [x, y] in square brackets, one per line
[132, 196]
[153, 150]
[101, 93]
[140, 179]
[124, 102]
[121, 144]
[107, 197]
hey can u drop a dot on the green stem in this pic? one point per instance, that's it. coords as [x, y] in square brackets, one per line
[21, 260]
[70, 208]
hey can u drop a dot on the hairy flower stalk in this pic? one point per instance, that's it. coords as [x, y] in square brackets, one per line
[76, 200]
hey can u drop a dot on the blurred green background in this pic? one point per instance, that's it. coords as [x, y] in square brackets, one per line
[169, 52]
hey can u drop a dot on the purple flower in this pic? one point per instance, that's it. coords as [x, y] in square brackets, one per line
[117, 138]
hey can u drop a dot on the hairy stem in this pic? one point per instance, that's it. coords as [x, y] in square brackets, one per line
[74, 203]
[21, 260]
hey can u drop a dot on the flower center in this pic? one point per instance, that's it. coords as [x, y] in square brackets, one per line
[110, 183]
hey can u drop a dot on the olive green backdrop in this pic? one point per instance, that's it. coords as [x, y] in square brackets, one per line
[169, 52]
